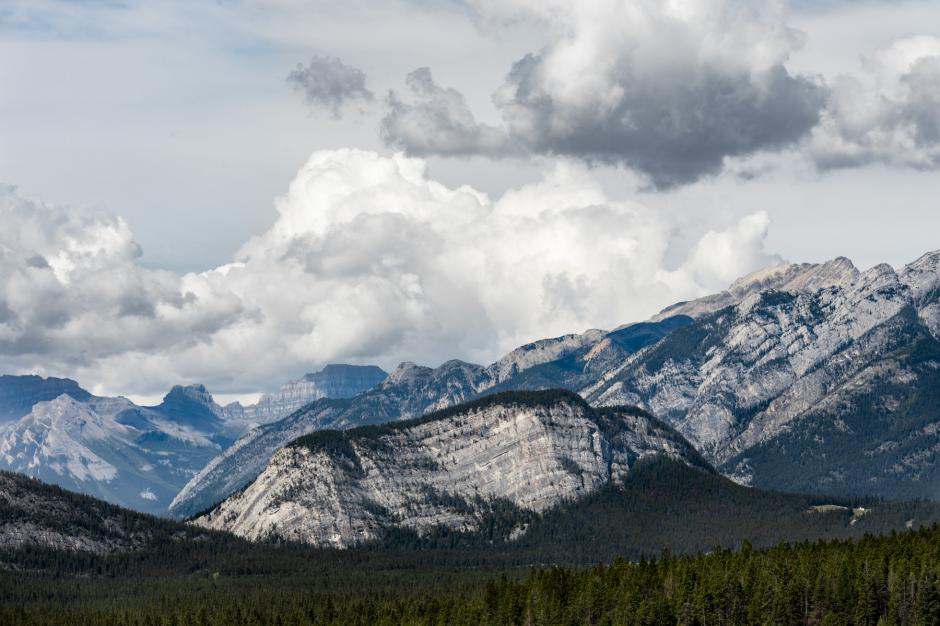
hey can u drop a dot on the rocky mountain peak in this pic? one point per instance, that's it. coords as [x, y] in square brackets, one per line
[192, 393]
[767, 278]
[786, 277]
[839, 272]
[922, 276]
[407, 372]
[18, 394]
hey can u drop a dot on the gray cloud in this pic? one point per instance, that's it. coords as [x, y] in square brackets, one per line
[670, 91]
[888, 115]
[329, 83]
[437, 122]
[673, 131]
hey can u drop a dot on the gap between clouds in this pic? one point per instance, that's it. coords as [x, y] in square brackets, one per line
[369, 260]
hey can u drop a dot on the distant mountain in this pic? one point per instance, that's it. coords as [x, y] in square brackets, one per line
[528, 451]
[139, 457]
[833, 389]
[333, 381]
[18, 394]
[134, 456]
[413, 390]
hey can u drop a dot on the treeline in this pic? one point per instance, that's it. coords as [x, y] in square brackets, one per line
[876, 581]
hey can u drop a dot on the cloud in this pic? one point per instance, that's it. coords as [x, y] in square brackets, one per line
[368, 260]
[329, 83]
[889, 115]
[71, 291]
[670, 89]
[437, 122]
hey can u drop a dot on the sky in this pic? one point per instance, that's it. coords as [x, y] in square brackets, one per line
[235, 193]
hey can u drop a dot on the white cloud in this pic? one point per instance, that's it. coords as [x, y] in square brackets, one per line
[368, 260]
[71, 291]
[890, 114]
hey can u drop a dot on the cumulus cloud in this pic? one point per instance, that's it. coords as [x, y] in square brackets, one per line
[71, 291]
[890, 114]
[329, 83]
[438, 121]
[670, 89]
[369, 260]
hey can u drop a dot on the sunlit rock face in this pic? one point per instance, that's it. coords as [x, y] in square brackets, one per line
[527, 451]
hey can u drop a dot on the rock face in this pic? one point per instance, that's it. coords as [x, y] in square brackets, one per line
[333, 381]
[413, 390]
[528, 451]
[922, 277]
[833, 389]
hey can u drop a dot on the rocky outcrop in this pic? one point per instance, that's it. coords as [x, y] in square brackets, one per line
[922, 277]
[528, 451]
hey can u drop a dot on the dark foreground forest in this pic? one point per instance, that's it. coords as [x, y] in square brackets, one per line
[876, 580]
[846, 562]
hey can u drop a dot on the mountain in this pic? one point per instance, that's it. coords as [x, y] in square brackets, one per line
[661, 503]
[37, 516]
[784, 352]
[833, 389]
[333, 381]
[134, 456]
[523, 451]
[790, 277]
[18, 394]
[588, 362]
[412, 390]
[528, 477]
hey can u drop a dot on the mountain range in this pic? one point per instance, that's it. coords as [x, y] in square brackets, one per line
[801, 377]
[138, 457]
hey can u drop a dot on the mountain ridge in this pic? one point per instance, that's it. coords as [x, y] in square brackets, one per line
[529, 451]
